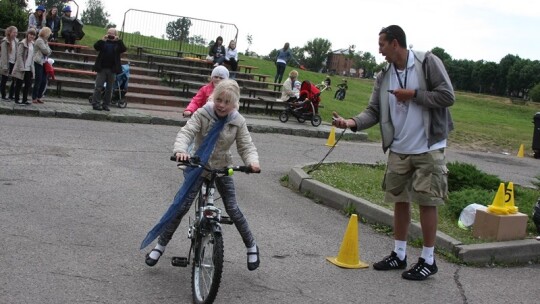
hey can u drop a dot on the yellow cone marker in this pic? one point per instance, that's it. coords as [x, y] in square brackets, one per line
[497, 207]
[331, 142]
[509, 199]
[521, 153]
[348, 252]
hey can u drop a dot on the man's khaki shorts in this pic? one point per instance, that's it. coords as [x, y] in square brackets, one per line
[420, 178]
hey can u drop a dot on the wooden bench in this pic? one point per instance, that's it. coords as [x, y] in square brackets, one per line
[247, 68]
[252, 92]
[78, 47]
[172, 76]
[58, 70]
[268, 103]
[141, 50]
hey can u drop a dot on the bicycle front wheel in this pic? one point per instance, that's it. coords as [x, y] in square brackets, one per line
[207, 268]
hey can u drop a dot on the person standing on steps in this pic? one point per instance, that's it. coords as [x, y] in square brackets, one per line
[8, 54]
[410, 101]
[108, 64]
[41, 52]
[23, 70]
[283, 56]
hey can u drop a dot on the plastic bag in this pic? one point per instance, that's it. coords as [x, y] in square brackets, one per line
[466, 218]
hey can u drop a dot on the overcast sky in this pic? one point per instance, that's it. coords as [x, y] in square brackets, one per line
[466, 29]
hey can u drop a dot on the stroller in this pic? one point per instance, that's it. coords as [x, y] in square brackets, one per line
[119, 88]
[306, 107]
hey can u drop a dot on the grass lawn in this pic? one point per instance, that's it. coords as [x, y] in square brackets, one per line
[482, 122]
[365, 181]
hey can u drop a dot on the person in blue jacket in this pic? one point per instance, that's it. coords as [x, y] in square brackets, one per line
[283, 56]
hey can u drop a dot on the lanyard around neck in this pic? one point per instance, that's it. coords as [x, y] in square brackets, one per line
[401, 84]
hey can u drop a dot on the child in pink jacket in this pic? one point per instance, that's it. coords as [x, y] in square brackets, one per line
[199, 100]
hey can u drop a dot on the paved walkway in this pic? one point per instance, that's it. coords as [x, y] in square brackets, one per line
[164, 115]
[508, 167]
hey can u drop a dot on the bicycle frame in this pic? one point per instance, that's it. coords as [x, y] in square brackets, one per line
[206, 236]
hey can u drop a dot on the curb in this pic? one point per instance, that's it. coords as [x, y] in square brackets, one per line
[77, 111]
[518, 251]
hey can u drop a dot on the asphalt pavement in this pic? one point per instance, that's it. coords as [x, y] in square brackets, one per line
[78, 196]
[522, 171]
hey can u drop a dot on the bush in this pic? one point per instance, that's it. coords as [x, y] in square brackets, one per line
[460, 199]
[11, 13]
[466, 176]
[534, 94]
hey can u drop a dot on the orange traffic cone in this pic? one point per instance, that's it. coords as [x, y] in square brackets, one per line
[348, 252]
[497, 207]
[509, 199]
[331, 142]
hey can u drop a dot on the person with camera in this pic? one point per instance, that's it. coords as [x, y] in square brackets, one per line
[107, 65]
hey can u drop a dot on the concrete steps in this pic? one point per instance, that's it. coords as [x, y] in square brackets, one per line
[148, 84]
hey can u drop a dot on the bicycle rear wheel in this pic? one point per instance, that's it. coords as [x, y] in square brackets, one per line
[207, 268]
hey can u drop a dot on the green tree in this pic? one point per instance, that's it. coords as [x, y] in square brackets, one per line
[178, 30]
[14, 12]
[249, 39]
[484, 75]
[95, 14]
[317, 51]
[442, 54]
[504, 66]
[522, 77]
[197, 39]
[366, 62]
[535, 93]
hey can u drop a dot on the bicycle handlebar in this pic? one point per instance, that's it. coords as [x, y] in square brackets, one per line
[195, 162]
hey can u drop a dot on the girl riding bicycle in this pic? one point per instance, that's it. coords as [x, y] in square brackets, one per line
[222, 111]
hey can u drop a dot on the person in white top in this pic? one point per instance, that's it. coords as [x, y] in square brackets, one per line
[410, 101]
[231, 58]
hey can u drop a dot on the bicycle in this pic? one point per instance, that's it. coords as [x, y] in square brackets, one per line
[206, 235]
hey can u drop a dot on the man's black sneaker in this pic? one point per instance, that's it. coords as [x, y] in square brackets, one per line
[391, 262]
[420, 271]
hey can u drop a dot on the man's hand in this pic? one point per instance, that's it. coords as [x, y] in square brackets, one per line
[403, 95]
[340, 122]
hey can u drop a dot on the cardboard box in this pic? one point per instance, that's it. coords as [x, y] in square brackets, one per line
[499, 227]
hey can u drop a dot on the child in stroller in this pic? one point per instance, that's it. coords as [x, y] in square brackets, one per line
[306, 107]
[119, 88]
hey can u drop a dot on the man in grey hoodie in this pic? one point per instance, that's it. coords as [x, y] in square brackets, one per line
[410, 101]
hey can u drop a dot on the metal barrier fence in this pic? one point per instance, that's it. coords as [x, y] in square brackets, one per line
[166, 34]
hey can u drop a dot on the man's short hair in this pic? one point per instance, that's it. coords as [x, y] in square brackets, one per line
[395, 32]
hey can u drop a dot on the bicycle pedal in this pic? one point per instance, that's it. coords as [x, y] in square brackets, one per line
[179, 261]
[226, 220]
